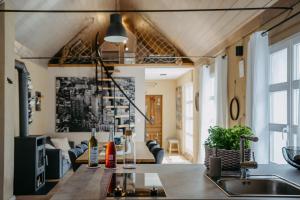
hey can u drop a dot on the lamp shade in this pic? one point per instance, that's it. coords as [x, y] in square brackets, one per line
[116, 32]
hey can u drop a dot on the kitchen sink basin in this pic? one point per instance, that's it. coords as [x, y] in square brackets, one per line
[262, 186]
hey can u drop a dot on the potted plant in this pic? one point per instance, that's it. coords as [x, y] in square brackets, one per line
[227, 144]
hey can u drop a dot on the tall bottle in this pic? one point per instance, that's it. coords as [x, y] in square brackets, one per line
[93, 150]
[129, 155]
[111, 154]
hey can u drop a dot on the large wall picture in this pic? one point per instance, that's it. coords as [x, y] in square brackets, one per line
[78, 109]
[179, 107]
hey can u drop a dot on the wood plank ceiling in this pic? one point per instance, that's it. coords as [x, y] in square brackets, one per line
[193, 33]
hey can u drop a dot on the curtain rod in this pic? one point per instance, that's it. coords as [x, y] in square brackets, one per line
[143, 10]
[280, 23]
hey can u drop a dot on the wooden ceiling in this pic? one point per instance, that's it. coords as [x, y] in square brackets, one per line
[194, 33]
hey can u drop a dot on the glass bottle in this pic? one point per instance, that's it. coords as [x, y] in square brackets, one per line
[110, 153]
[129, 154]
[93, 150]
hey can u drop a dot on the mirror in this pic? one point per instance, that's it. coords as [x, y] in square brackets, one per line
[234, 108]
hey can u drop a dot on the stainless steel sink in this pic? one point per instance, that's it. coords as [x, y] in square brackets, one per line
[262, 186]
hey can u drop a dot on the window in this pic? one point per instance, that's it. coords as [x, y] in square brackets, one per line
[188, 118]
[284, 82]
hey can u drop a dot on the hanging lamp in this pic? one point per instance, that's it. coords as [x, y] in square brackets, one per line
[116, 32]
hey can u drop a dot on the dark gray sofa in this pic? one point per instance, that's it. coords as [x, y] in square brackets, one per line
[56, 165]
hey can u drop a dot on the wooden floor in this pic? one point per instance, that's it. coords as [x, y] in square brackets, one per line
[50, 194]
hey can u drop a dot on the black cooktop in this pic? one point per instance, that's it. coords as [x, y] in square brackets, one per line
[135, 185]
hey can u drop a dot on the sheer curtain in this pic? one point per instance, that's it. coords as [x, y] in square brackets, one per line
[221, 91]
[208, 106]
[257, 103]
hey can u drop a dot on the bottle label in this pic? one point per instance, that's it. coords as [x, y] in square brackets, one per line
[94, 155]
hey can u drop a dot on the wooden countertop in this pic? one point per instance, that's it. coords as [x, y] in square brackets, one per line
[143, 156]
[181, 181]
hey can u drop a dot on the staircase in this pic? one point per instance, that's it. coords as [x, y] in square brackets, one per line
[116, 104]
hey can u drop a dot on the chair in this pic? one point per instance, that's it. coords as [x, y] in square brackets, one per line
[74, 154]
[151, 145]
[154, 147]
[173, 142]
[158, 154]
[150, 142]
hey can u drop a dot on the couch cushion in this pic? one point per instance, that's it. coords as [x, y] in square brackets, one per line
[49, 146]
[84, 147]
[63, 144]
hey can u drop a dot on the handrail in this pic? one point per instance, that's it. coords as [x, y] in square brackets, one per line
[99, 59]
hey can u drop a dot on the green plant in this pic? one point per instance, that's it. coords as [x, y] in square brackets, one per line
[229, 139]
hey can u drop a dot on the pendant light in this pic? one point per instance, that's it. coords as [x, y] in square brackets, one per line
[116, 33]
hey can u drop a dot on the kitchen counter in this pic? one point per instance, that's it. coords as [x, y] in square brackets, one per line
[180, 181]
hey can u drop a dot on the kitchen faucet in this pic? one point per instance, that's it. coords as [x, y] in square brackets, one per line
[245, 165]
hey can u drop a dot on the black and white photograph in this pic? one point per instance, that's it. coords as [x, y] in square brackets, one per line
[81, 107]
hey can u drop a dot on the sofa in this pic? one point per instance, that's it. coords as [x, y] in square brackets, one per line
[56, 164]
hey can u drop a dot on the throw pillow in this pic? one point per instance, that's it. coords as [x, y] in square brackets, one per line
[49, 146]
[63, 144]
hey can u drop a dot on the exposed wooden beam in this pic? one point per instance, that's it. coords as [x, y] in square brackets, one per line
[183, 65]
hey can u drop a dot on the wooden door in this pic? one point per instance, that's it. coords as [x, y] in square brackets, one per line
[154, 112]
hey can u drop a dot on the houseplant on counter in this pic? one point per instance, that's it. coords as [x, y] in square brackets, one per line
[227, 144]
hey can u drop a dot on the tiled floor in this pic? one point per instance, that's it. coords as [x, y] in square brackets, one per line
[175, 159]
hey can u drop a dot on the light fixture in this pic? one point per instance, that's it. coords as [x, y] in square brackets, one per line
[116, 33]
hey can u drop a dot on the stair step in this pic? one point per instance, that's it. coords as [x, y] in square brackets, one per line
[125, 126]
[124, 107]
[110, 71]
[112, 97]
[107, 88]
[121, 116]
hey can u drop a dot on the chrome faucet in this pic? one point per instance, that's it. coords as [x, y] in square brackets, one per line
[245, 165]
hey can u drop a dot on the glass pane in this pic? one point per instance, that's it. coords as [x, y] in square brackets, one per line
[278, 107]
[295, 109]
[189, 144]
[278, 67]
[277, 141]
[296, 74]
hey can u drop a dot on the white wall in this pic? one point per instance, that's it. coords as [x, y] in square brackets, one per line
[39, 77]
[137, 72]
[8, 111]
[166, 88]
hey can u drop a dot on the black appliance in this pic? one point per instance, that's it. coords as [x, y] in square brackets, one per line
[29, 158]
[135, 185]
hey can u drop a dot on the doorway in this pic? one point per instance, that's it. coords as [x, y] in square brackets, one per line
[154, 109]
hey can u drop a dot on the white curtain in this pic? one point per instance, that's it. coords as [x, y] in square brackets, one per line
[257, 94]
[208, 107]
[221, 91]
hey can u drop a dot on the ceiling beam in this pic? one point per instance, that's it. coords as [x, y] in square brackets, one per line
[170, 65]
[144, 10]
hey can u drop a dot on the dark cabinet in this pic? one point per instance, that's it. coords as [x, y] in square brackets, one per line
[29, 171]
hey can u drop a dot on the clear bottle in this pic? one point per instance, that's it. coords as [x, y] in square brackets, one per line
[129, 154]
[93, 150]
[110, 153]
